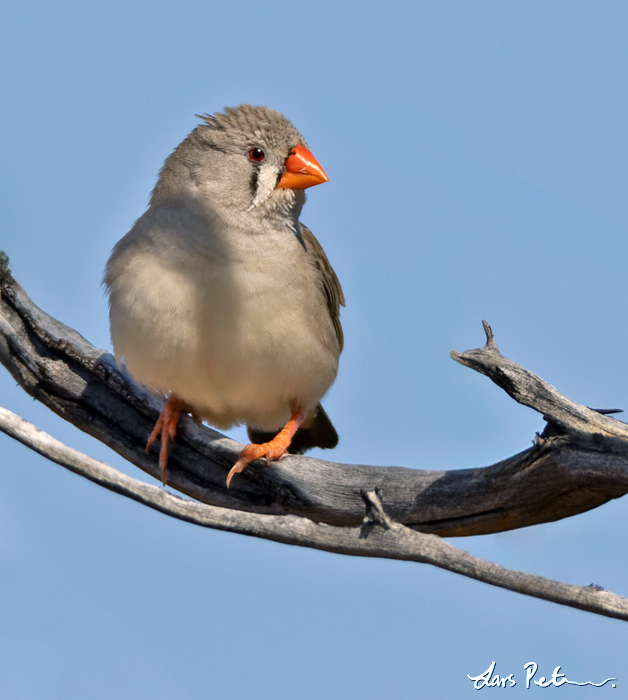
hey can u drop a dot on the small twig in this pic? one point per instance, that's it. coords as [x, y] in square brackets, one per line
[491, 344]
[4, 265]
[375, 514]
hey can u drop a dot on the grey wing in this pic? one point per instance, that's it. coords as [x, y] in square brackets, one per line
[330, 283]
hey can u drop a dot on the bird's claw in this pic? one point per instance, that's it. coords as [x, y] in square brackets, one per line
[272, 451]
[166, 427]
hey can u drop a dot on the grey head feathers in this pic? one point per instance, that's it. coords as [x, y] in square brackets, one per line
[214, 164]
[247, 124]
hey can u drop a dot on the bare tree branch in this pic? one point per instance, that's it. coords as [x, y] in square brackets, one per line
[580, 468]
[379, 536]
[579, 462]
[528, 389]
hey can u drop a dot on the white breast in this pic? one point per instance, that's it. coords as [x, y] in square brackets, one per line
[239, 341]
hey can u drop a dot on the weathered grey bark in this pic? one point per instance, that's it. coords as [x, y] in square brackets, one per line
[379, 536]
[580, 461]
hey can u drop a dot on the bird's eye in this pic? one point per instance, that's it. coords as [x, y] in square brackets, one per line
[257, 155]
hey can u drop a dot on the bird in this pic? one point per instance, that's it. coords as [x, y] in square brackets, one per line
[221, 299]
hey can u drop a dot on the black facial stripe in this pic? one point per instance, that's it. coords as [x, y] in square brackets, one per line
[254, 181]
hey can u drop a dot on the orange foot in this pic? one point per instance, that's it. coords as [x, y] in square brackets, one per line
[166, 426]
[274, 449]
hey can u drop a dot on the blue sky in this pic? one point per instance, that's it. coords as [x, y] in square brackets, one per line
[477, 154]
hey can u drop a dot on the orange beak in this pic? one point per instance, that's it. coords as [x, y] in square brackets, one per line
[302, 170]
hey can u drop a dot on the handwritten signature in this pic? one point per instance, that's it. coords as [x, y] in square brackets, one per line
[490, 679]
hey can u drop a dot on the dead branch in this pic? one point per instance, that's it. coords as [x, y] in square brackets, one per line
[578, 463]
[378, 537]
[581, 468]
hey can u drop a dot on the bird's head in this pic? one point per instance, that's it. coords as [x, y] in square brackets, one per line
[247, 163]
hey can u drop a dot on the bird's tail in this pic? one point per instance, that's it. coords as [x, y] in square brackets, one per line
[317, 431]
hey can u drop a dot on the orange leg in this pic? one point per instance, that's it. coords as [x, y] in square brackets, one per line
[274, 449]
[166, 426]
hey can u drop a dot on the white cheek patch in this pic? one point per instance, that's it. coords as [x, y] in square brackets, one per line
[266, 183]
